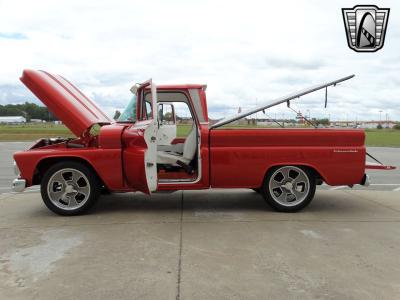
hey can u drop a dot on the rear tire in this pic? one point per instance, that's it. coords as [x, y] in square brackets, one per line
[70, 188]
[288, 188]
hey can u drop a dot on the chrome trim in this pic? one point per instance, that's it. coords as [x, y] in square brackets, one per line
[345, 151]
[18, 185]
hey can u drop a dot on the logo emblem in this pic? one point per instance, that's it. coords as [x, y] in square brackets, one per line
[365, 27]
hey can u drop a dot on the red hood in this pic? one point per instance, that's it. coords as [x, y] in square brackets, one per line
[64, 100]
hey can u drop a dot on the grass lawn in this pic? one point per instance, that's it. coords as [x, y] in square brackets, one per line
[182, 130]
[382, 137]
[31, 132]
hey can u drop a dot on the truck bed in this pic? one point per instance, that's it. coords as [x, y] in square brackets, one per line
[241, 157]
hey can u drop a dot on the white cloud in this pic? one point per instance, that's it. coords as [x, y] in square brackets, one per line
[246, 52]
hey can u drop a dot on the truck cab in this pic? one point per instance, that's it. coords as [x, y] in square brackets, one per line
[170, 161]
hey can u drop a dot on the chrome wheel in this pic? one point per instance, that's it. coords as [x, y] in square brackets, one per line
[289, 186]
[68, 189]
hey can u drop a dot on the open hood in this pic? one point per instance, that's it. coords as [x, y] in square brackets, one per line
[65, 101]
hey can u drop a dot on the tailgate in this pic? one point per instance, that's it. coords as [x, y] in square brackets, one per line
[377, 165]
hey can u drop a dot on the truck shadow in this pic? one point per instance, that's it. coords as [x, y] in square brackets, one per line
[218, 201]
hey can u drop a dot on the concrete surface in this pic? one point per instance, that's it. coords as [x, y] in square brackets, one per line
[202, 245]
[219, 244]
[6, 162]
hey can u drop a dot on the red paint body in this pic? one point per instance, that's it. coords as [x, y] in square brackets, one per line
[230, 158]
[235, 151]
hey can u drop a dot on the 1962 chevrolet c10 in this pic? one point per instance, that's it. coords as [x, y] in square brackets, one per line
[140, 151]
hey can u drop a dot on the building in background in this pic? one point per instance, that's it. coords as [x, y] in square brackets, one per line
[37, 121]
[364, 124]
[12, 120]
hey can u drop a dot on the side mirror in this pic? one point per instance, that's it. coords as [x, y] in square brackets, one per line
[134, 88]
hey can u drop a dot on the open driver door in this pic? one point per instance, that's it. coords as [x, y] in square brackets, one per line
[140, 153]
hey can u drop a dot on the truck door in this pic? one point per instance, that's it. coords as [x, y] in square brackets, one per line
[150, 136]
[140, 141]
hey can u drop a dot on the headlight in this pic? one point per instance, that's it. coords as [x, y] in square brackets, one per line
[16, 170]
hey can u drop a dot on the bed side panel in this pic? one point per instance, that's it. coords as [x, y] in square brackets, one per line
[241, 157]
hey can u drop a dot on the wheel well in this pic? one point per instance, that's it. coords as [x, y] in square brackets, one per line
[46, 163]
[318, 178]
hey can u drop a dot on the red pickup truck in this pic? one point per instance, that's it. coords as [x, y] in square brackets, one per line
[141, 151]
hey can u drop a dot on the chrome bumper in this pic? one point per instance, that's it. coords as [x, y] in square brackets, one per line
[18, 185]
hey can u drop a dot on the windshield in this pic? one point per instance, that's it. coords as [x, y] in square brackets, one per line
[129, 113]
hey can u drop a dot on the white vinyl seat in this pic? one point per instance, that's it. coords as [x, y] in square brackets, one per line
[189, 150]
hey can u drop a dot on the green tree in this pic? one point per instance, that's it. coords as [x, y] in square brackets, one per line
[324, 122]
[28, 110]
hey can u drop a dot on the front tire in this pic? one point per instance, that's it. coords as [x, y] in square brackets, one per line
[70, 188]
[288, 188]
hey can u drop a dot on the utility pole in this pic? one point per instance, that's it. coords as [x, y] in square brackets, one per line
[380, 117]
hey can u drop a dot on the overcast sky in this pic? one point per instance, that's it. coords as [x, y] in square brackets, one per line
[247, 52]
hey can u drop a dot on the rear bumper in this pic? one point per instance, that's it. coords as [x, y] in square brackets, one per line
[18, 185]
